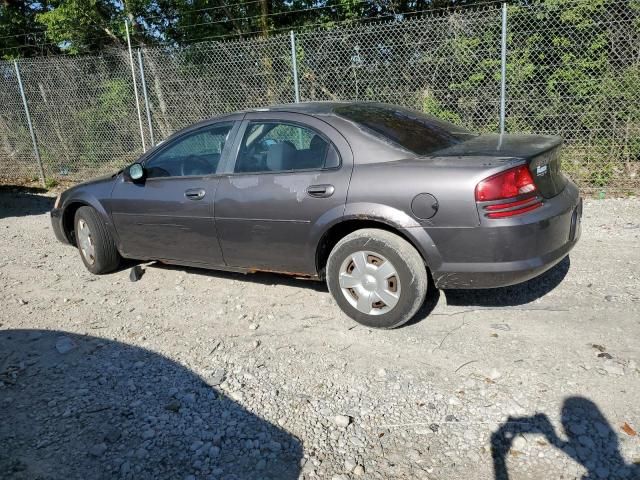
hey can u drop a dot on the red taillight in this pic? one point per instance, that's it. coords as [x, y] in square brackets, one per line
[507, 184]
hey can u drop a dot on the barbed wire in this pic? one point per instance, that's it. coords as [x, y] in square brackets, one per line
[24, 34]
[448, 8]
[217, 7]
[268, 15]
[330, 23]
[244, 4]
[43, 29]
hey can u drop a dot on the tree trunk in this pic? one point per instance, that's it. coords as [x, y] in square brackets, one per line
[66, 151]
[7, 148]
[264, 17]
[162, 117]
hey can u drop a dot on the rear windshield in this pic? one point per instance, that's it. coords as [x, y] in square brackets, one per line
[417, 132]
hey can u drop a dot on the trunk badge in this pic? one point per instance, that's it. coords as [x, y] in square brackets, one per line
[541, 170]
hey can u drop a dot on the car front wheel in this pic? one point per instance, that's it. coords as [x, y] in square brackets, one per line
[95, 243]
[377, 278]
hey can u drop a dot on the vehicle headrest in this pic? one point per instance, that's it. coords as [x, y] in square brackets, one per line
[280, 156]
[317, 143]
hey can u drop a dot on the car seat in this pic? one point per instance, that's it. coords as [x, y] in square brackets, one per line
[280, 156]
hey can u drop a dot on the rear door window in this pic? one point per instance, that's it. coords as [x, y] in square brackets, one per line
[414, 131]
[283, 147]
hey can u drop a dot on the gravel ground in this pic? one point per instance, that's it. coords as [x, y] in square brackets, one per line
[191, 374]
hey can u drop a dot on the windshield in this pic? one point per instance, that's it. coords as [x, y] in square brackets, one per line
[417, 132]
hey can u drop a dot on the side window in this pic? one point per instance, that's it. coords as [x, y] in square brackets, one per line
[281, 147]
[197, 153]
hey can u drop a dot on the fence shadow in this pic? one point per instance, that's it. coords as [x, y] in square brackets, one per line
[104, 409]
[592, 441]
[513, 295]
[18, 201]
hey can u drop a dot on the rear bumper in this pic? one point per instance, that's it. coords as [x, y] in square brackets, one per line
[56, 223]
[504, 252]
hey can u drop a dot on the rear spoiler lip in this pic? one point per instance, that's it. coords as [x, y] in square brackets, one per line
[515, 146]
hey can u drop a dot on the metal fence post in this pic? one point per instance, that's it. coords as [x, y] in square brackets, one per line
[294, 63]
[31, 131]
[135, 86]
[146, 97]
[503, 75]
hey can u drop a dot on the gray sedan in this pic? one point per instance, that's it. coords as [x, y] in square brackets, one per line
[379, 201]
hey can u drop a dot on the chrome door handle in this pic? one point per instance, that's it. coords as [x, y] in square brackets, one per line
[320, 191]
[195, 193]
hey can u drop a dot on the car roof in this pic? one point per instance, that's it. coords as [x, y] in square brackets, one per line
[308, 108]
[312, 108]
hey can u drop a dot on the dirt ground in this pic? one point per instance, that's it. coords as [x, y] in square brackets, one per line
[196, 374]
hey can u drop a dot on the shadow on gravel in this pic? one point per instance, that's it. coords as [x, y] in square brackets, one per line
[16, 201]
[264, 278]
[592, 441]
[430, 302]
[83, 407]
[514, 295]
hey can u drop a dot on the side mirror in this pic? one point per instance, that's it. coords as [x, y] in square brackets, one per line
[136, 172]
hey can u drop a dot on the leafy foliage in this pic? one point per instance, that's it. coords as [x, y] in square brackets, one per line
[573, 66]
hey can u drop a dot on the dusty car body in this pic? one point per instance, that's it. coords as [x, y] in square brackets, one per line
[480, 210]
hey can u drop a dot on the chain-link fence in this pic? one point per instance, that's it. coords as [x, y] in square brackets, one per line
[206, 79]
[427, 64]
[17, 158]
[82, 113]
[572, 69]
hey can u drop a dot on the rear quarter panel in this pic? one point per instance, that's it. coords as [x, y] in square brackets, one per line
[384, 192]
[396, 183]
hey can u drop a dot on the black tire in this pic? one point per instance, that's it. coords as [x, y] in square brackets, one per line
[409, 266]
[105, 257]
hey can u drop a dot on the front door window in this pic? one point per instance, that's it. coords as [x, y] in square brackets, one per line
[197, 153]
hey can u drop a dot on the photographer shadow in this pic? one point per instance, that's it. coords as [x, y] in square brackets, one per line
[592, 442]
[76, 406]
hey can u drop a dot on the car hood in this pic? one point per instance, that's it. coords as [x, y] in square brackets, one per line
[99, 187]
[97, 181]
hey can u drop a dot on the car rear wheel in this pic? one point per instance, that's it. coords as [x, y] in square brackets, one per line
[377, 278]
[96, 245]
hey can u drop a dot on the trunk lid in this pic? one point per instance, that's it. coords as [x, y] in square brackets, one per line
[541, 152]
